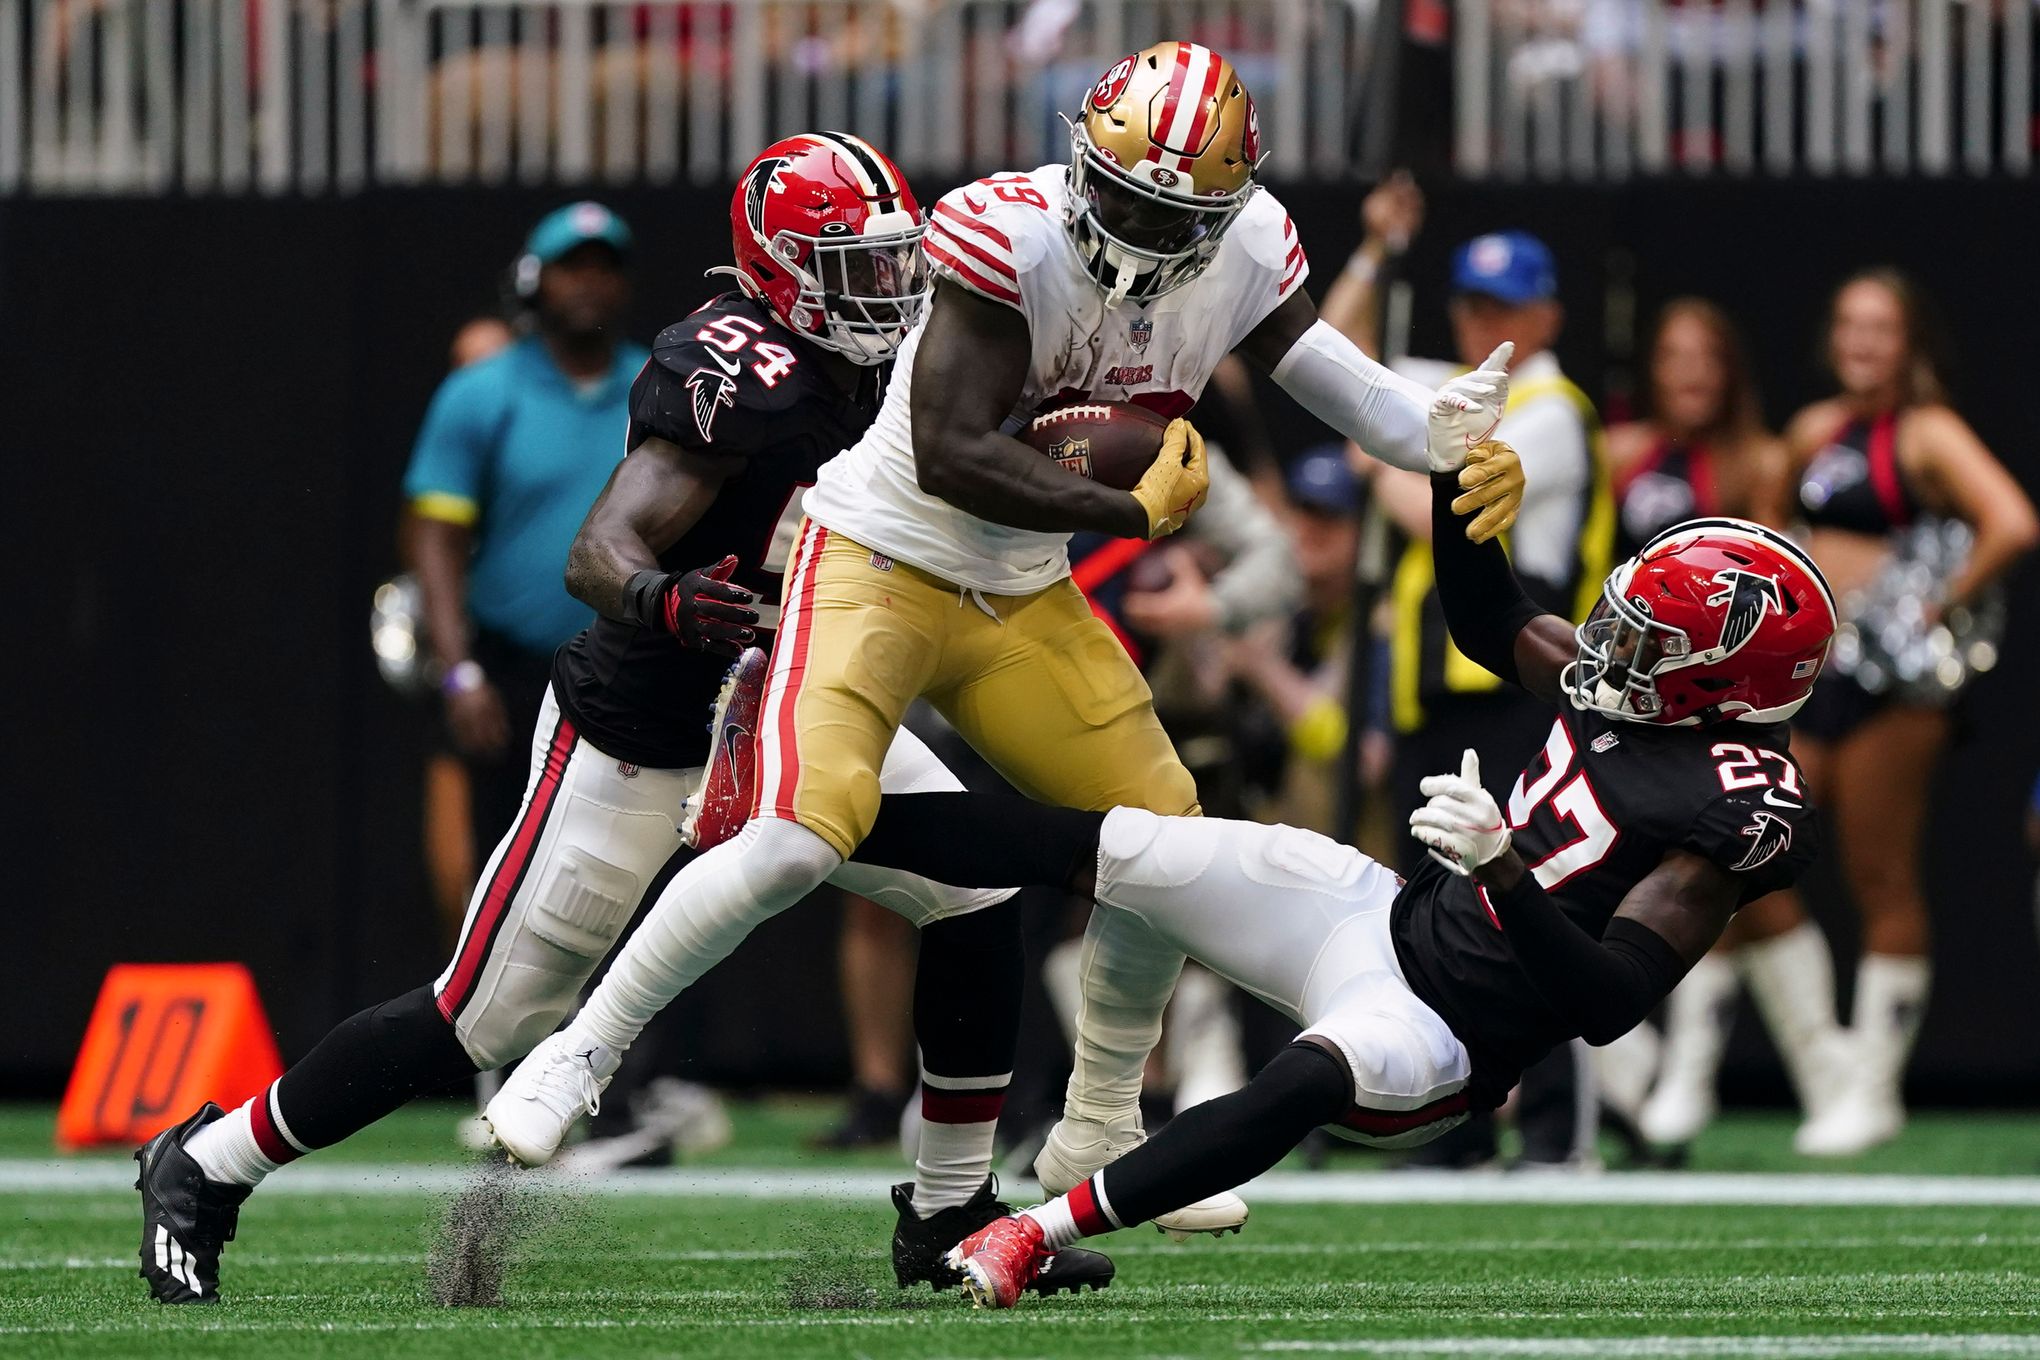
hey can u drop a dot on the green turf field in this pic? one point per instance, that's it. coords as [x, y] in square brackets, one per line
[709, 1263]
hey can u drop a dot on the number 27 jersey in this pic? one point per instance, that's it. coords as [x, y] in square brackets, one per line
[1005, 239]
[1594, 813]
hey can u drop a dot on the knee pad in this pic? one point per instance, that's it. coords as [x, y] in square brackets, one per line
[547, 954]
[1410, 1071]
[784, 861]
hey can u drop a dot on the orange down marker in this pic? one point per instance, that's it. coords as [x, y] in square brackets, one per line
[164, 1038]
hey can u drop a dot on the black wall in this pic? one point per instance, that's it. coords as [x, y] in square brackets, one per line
[205, 408]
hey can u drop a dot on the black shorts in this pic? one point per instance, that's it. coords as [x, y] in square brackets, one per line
[1837, 707]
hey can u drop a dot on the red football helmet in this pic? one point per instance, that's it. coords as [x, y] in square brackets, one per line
[1715, 620]
[828, 234]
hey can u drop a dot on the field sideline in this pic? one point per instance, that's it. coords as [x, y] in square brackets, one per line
[768, 1251]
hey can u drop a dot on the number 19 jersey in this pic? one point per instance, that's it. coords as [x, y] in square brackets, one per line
[1596, 811]
[1005, 239]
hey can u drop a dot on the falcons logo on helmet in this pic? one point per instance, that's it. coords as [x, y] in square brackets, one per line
[1770, 836]
[1748, 597]
[711, 392]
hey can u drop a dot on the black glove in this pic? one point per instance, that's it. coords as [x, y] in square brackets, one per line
[702, 607]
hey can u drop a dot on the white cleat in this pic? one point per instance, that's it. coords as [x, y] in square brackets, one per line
[1676, 1112]
[554, 1086]
[1857, 1122]
[1076, 1148]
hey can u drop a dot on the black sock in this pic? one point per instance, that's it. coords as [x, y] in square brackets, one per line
[368, 1065]
[980, 840]
[967, 992]
[1225, 1142]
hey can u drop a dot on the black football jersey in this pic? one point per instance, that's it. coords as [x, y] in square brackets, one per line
[732, 383]
[1596, 811]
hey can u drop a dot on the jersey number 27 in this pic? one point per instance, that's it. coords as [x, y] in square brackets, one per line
[1572, 802]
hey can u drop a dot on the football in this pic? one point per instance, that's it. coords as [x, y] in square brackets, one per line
[1108, 441]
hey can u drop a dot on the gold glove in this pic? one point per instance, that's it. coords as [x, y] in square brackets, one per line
[1491, 483]
[1174, 484]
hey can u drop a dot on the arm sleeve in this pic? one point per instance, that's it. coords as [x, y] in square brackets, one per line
[1382, 412]
[1260, 579]
[449, 469]
[1603, 987]
[1485, 606]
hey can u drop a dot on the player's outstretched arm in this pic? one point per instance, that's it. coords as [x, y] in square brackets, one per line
[1490, 617]
[1602, 987]
[1380, 410]
[654, 497]
[968, 374]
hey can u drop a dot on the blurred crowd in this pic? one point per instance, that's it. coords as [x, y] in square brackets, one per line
[1299, 658]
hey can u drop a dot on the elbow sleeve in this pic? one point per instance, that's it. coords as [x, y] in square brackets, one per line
[1603, 987]
[1382, 412]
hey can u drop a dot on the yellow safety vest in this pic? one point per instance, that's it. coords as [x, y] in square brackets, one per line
[1415, 578]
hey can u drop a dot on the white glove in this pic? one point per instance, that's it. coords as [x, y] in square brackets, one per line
[1461, 825]
[1465, 411]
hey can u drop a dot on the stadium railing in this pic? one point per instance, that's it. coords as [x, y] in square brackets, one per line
[319, 96]
[1605, 89]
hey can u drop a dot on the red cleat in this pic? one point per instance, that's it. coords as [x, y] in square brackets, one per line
[1000, 1260]
[721, 806]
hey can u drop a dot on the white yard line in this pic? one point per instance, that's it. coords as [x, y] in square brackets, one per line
[56, 1175]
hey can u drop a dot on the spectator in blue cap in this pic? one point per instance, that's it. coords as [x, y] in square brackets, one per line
[1502, 286]
[514, 450]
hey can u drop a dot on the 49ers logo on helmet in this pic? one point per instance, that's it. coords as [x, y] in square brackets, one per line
[1111, 85]
[1250, 145]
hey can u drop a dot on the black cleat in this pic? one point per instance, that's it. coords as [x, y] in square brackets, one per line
[919, 1244]
[186, 1219]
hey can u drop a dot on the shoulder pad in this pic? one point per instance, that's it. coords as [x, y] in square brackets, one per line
[988, 234]
[1760, 835]
[1264, 230]
[718, 378]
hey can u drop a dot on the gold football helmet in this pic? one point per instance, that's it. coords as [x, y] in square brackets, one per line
[1162, 160]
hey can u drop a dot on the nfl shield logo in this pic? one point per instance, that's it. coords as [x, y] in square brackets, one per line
[1139, 332]
[1073, 454]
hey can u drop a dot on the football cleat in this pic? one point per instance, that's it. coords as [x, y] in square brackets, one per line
[1000, 1260]
[554, 1086]
[721, 806]
[1078, 1148]
[186, 1219]
[920, 1245]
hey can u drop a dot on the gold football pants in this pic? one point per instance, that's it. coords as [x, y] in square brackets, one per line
[1036, 683]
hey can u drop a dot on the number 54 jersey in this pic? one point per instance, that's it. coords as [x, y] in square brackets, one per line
[1596, 811]
[1004, 239]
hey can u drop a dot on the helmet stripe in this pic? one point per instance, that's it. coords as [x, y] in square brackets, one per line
[1202, 112]
[867, 159]
[1162, 134]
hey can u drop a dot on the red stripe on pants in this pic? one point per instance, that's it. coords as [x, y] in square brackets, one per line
[510, 871]
[796, 639]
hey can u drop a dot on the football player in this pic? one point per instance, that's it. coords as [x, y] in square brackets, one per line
[739, 406]
[933, 558]
[1664, 799]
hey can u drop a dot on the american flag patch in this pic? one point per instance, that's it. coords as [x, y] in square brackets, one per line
[1802, 669]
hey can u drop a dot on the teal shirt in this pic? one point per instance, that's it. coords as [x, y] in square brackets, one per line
[512, 447]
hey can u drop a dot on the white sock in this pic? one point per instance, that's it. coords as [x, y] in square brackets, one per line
[1891, 1000]
[959, 1116]
[226, 1150]
[1697, 1018]
[1127, 973]
[1058, 1224]
[704, 913]
[1791, 978]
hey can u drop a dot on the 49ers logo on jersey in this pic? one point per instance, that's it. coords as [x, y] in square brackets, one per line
[1126, 375]
[1111, 85]
[1072, 455]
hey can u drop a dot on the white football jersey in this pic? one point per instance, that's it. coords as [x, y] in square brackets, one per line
[1004, 238]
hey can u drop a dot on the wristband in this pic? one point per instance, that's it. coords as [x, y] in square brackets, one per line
[641, 597]
[463, 677]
